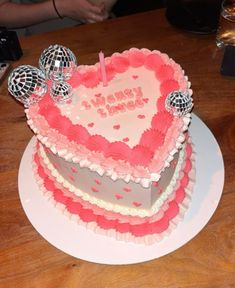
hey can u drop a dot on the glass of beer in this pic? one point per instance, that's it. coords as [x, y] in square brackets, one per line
[226, 28]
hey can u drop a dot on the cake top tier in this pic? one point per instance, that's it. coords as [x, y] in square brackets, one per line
[121, 128]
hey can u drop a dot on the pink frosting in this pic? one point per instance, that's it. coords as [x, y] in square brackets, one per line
[152, 139]
[90, 78]
[119, 150]
[137, 58]
[140, 155]
[153, 61]
[120, 63]
[168, 86]
[165, 72]
[162, 121]
[107, 220]
[97, 143]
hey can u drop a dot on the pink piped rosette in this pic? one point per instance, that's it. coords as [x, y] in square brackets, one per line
[145, 161]
[142, 163]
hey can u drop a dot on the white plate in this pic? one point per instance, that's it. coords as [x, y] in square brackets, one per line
[75, 240]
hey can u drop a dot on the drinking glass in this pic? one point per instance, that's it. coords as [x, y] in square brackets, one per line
[226, 29]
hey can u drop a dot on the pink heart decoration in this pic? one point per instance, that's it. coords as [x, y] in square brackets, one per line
[136, 204]
[125, 139]
[141, 116]
[90, 124]
[74, 170]
[127, 189]
[98, 181]
[94, 189]
[118, 196]
[116, 127]
[142, 153]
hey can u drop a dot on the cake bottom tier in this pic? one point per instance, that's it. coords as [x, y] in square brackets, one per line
[146, 230]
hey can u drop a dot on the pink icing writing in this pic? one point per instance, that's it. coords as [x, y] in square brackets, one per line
[118, 102]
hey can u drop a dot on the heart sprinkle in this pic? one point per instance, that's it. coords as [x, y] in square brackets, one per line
[97, 181]
[116, 127]
[74, 169]
[136, 204]
[127, 189]
[125, 139]
[141, 116]
[135, 76]
[94, 189]
[118, 196]
[90, 124]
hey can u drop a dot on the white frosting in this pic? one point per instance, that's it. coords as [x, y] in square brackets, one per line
[111, 206]
[133, 78]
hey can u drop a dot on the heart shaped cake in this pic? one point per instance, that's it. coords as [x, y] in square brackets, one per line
[113, 155]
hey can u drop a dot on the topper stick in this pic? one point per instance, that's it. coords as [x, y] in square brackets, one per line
[102, 69]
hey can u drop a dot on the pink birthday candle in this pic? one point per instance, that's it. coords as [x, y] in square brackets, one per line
[102, 69]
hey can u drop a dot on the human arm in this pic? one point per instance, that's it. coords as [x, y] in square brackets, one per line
[22, 15]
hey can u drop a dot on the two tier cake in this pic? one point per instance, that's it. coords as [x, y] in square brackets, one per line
[113, 150]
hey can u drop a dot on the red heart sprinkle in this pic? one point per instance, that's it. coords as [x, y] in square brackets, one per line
[91, 124]
[116, 126]
[125, 139]
[135, 76]
[74, 169]
[94, 189]
[118, 196]
[140, 116]
[127, 189]
[137, 204]
[97, 181]
[155, 183]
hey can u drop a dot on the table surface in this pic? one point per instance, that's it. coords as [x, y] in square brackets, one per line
[208, 260]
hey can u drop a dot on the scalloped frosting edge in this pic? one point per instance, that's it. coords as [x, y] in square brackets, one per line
[177, 177]
[136, 236]
[116, 170]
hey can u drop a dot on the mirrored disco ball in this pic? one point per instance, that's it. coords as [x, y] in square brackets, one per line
[61, 92]
[57, 62]
[179, 103]
[27, 84]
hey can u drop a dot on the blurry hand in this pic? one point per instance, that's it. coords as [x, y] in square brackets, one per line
[82, 10]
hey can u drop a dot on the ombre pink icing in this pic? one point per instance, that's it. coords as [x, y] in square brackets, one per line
[120, 63]
[168, 86]
[162, 121]
[165, 72]
[107, 220]
[89, 77]
[118, 151]
[140, 155]
[97, 143]
[153, 62]
[137, 58]
[104, 142]
[152, 139]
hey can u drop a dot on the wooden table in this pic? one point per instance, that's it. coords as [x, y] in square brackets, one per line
[27, 260]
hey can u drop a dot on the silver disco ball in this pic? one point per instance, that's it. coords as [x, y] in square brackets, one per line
[58, 62]
[179, 103]
[61, 92]
[27, 84]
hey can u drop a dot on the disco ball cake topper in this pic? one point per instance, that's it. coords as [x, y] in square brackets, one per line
[27, 84]
[57, 62]
[61, 92]
[179, 103]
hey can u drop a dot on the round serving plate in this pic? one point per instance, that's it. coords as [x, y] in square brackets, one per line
[79, 242]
